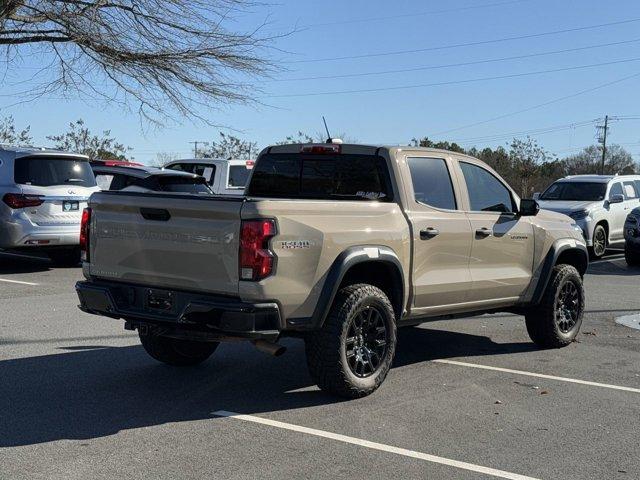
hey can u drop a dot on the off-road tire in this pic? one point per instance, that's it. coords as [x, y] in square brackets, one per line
[175, 351]
[632, 256]
[543, 320]
[68, 257]
[326, 349]
[597, 252]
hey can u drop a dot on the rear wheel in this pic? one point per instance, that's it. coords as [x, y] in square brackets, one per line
[632, 256]
[352, 353]
[176, 351]
[556, 321]
[599, 242]
[67, 257]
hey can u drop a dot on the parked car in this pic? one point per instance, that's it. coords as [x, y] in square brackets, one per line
[226, 177]
[43, 194]
[632, 238]
[143, 178]
[113, 162]
[599, 204]
[335, 244]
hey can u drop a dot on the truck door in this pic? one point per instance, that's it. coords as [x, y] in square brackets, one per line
[617, 212]
[503, 244]
[441, 234]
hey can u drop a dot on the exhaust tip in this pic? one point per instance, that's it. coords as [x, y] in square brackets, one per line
[270, 348]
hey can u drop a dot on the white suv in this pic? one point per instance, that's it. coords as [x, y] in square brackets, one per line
[599, 204]
[42, 195]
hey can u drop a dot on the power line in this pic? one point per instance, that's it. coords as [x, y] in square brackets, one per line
[461, 64]
[412, 15]
[533, 132]
[451, 82]
[540, 105]
[468, 44]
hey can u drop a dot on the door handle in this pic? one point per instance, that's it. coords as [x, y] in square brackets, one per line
[429, 232]
[483, 232]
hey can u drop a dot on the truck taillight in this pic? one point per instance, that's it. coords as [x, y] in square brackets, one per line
[256, 260]
[84, 234]
[19, 200]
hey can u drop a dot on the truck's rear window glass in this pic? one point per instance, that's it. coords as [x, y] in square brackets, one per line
[432, 182]
[183, 185]
[47, 172]
[238, 175]
[349, 177]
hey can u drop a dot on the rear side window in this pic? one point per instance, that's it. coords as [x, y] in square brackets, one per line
[47, 172]
[486, 192]
[238, 176]
[630, 190]
[432, 182]
[348, 177]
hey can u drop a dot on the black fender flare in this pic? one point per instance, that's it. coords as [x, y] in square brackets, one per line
[341, 265]
[550, 261]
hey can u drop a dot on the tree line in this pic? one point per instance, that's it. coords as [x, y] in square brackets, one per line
[523, 163]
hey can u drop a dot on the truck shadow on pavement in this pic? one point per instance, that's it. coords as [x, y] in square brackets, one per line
[21, 264]
[94, 391]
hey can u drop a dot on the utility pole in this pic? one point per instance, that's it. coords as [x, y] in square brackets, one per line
[602, 138]
[195, 147]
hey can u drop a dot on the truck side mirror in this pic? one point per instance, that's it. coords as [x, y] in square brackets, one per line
[528, 207]
[536, 195]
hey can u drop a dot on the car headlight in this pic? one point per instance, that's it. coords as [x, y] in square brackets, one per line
[579, 214]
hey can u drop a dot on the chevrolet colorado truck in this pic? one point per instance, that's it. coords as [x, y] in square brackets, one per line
[338, 245]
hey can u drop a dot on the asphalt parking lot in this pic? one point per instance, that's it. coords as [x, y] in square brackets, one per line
[468, 398]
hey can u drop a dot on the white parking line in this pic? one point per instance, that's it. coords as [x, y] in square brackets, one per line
[539, 375]
[374, 445]
[18, 281]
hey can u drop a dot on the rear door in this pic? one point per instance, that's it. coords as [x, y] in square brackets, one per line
[441, 234]
[617, 212]
[178, 241]
[64, 183]
[501, 260]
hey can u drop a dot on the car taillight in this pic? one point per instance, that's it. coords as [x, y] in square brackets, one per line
[19, 200]
[84, 234]
[256, 260]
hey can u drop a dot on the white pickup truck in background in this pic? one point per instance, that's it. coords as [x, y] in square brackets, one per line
[226, 177]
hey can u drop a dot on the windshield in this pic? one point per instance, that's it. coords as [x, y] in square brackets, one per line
[575, 191]
[238, 176]
[50, 171]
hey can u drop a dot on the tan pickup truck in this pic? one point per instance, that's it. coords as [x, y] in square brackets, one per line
[335, 244]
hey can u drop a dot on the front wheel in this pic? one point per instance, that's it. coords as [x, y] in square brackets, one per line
[176, 351]
[556, 321]
[352, 353]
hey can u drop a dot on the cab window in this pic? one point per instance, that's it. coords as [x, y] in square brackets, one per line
[630, 191]
[616, 189]
[432, 182]
[486, 192]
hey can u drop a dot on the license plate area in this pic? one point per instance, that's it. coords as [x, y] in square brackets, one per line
[159, 300]
[70, 206]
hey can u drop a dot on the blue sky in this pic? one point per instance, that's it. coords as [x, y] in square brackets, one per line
[395, 114]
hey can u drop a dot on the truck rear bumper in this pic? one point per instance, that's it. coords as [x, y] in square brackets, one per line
[181, 313]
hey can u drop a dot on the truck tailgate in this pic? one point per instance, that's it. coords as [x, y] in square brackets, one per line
[162, 240]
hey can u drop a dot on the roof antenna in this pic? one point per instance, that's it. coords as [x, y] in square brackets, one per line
[329, 139]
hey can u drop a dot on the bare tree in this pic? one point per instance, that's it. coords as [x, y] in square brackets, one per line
[79, 139]
[230, 147]
[9, 134]
[167, 56]
[617, 160]
[162, 158]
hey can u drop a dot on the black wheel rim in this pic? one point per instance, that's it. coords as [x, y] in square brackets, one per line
[599, 242]
[567, 307]
[367, 339]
